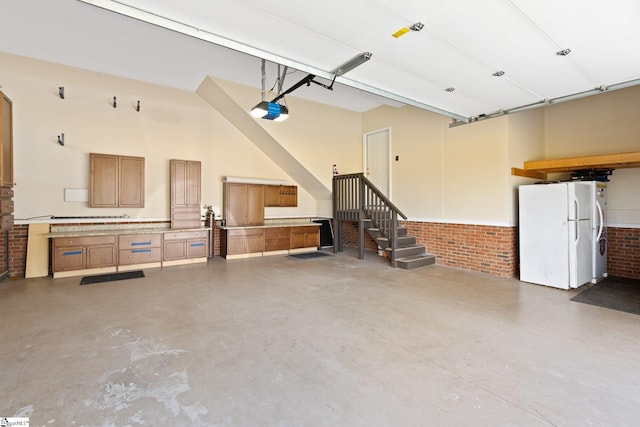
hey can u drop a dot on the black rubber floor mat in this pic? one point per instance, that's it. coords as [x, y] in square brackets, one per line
[309, 255]
[616, 293]
[87, 280]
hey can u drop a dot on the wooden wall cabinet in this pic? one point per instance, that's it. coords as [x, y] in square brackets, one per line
[80, 253]
[116, 181]
[6, 163]
[243, 204]
[182, 245]
[280, 196]
[185, 193]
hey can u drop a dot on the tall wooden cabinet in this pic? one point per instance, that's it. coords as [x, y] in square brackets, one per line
[185, 193]
[243, 204]
[6, 163]
[116, 181]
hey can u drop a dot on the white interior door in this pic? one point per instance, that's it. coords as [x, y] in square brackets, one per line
[377, 147]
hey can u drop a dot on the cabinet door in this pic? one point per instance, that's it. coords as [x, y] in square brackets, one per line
[196, 248]
[175, 249]
[255, 204]
[103, 186]
[288, 196]
[69, 258]
[101, 256]
[131, 182]
[305, 237]
[235, 200]
[6, 142]
[193, 184]
[272, 195]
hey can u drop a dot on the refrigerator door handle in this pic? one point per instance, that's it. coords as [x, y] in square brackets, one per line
[601, 215]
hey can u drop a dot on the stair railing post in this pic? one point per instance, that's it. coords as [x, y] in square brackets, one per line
[361, 215]
[394, 238]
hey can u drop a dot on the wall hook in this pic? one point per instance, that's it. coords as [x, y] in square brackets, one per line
[61, 139]
[114, 102]
[61, 92]
[138, 106]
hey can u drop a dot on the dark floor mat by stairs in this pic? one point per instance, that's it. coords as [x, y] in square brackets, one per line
[616, 293]
[87, 280]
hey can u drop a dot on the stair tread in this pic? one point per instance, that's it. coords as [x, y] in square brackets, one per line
[407, 247]
[415, 257]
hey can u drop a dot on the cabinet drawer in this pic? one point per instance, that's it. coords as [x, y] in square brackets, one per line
[139, 255]
[181, 235]
[139, 241]
[6, 192]
[83, 241]
[276, 233]
[245, 232]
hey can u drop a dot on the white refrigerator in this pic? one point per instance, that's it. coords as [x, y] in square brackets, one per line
[562, 233]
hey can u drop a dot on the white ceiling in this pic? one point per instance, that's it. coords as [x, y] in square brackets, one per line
[461, 45]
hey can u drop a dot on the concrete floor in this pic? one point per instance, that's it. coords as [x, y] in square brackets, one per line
[324, 342]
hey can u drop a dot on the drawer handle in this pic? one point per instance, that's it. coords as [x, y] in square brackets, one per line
[140, 243]
[193, 245]
[140, 251]
[69, 253]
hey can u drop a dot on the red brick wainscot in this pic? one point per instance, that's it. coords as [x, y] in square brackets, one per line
[484, 248]
[623, 248]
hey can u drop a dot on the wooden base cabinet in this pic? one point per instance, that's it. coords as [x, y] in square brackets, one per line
[184, 245]
[80, 253]
[139, 249]
[305, 237]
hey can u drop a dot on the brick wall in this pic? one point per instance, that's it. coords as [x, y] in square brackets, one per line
[351, 235]
[487, 249]
[623, 252]
[17, 250]
[484, 248]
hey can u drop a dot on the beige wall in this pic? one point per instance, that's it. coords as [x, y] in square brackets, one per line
[171, 124]
[447, 174]
[601, 124]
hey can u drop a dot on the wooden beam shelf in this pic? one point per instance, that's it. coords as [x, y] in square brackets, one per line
[539, 169]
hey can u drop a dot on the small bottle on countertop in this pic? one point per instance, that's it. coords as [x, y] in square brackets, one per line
[335, 170]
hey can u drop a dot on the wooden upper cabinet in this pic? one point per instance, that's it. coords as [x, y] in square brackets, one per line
[280, 196]
[116, 181]
[185, 193]
[243, 204]
[6, 142]
[185, 183]
[131, 181]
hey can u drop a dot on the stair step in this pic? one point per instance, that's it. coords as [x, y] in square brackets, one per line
[406, 251]
[403, 241]
[415, 261]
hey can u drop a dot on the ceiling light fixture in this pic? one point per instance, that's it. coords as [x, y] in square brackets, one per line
[277, 112]
[563, 52]
[354, 62]
[404, 30]
[450, 89]
[498, 73]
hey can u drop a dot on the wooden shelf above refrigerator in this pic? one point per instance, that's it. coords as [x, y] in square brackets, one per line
[539, 169]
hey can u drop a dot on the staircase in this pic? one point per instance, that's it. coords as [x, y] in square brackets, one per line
[408, 254]
[356, 199]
